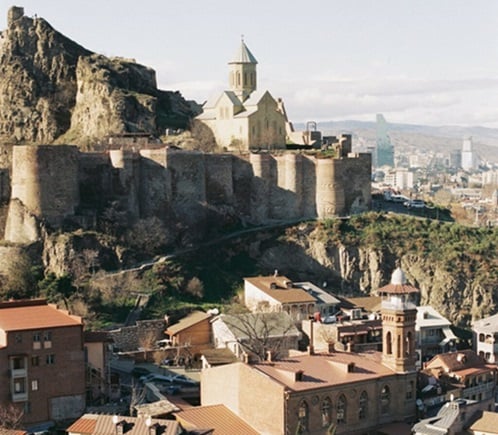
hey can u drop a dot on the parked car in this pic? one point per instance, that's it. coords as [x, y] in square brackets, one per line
[399, 198]
[414, 203]
[138, 372]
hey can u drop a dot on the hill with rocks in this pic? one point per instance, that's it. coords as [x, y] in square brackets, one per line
[54, 90]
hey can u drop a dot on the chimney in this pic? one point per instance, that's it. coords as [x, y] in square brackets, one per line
[269, 356]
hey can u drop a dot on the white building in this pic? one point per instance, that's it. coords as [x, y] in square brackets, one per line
[400, 179]
[485, 338]
[469, 159]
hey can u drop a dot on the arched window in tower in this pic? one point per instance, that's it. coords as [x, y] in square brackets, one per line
[341, 409]
[398, 347]
[238, 78]
[389, 343]
[385, 400]
[363, 406]
[302, 417]
[245, 79]
[252, 79]
[326, 411]
[408, 348]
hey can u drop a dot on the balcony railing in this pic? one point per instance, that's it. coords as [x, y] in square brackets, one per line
[20, 397]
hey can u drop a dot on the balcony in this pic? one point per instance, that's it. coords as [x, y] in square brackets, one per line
[20, 397]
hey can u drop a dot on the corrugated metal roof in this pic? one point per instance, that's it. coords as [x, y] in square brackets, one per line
[85, 425]
[34, 315]
[190, 320]
[217, 417]
[243, 55]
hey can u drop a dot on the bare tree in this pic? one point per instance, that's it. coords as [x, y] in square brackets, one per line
[195, 287]
[260, 333]
[10, 416]
[138, 394]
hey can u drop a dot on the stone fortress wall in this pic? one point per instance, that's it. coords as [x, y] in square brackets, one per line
[52, 183]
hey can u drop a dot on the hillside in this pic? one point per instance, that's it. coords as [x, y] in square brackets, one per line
[53, 89]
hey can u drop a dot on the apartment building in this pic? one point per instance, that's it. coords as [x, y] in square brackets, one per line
[42, 366]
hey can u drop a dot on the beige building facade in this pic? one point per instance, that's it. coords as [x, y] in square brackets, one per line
[243, 118]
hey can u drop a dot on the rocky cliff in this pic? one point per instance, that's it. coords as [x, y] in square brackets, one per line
[52, 89]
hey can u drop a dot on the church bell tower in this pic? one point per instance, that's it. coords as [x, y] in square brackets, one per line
[399, 315]
[243, 72]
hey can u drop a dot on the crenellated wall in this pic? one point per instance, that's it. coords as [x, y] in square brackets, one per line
[52, 183]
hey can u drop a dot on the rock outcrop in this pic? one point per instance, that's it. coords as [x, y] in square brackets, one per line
[53, 89]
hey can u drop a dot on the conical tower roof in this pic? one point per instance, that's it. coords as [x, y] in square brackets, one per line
[243, 55]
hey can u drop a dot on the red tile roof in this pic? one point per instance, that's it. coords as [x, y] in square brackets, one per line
[84, 425]
[217, 417]
[322, 370]
[34, 314]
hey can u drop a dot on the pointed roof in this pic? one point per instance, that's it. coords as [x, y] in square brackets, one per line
[243, 55]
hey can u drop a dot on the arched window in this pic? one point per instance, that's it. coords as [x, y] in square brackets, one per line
[341, 409]
[302, 417]
[238, 78]
[385, 400]
[363, 406]
[326, 411]
[389, 343]
[398, 347]
[408, 349]
[481, 337]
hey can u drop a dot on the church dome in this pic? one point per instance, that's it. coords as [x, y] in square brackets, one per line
[398, 277]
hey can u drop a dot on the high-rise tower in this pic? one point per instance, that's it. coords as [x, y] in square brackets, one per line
[398, 324]
[384, 151]
[243, 72]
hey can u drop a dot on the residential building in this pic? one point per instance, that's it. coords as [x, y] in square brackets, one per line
[242, 118]
[325, 303]
[434, 335]
[253, 335]
[485, 338]
[98, 352]
[278, 293]
[42, 365]
[99, 424]
[469, 157]
[315, 393]
[453, 418]
[464, 374]
[192, 331]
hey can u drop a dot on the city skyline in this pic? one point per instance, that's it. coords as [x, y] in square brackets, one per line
[424, 63]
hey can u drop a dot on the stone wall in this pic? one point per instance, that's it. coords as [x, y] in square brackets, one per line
[130, 338]
[52, 183]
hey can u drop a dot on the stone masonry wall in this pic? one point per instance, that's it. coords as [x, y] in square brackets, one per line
[177, 185]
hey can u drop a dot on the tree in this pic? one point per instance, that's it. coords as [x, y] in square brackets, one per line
[195, 287]
[203, 136]
[148, 235]
[10, 416]
[261, 333]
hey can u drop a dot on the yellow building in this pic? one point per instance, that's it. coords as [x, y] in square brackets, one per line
[242, 118]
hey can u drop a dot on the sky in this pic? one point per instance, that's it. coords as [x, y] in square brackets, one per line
[432, 62]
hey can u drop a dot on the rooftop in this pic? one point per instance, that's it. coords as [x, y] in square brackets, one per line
[217, 417]
[189, 320]
[304, 372]
[488, 324]
[34, 314]
[487, 423]
[281, 289]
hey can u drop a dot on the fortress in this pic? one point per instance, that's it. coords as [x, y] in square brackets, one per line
[55, 187]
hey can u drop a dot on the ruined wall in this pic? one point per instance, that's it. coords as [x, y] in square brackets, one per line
[50, 183]
[44, 184]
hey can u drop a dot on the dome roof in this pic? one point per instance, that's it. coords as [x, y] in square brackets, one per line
[398, 277]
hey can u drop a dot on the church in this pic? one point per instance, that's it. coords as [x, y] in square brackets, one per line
[242, 117]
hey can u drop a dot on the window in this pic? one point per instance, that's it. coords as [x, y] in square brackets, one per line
[35, 361]
[34, 385]
[18, 338]
[17, 363]
[47, 339]
[389, 344]
[385, 400]
[341, 409]
[36, 337]
[302, 417]
[363, 406]
[326, 409]
[50, 359]
[409, 390]
[19, 385]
